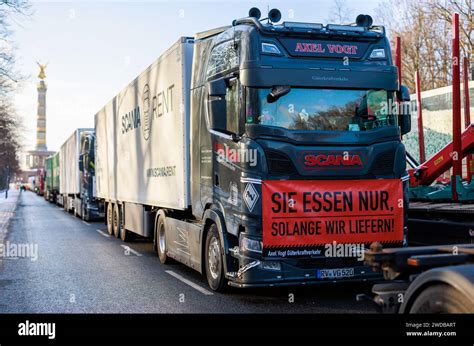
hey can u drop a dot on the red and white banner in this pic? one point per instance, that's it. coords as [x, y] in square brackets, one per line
[312, 213]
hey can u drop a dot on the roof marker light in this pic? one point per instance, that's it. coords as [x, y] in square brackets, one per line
[337, 27]
[304, 26]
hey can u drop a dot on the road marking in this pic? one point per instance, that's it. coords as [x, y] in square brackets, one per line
[103, 233]
[128, 248]
[190, 283]
[86, 223]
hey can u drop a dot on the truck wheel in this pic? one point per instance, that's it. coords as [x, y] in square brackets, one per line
[160, 236]
[214, 262]
[76, 211]
[117, 222]
[110, 227]
[84, 212]
[442, 299]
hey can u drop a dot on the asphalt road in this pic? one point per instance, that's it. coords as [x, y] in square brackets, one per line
[80, 269]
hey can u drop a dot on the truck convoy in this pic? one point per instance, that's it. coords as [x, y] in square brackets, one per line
[51, 189]
[39, 181]
[255, 153]
[76, 180]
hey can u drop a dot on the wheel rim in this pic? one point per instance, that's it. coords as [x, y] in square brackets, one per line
[109, 216]
[162, 239]
[115, 221]
[214, 258]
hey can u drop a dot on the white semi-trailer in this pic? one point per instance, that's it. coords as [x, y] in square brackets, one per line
[142, 141]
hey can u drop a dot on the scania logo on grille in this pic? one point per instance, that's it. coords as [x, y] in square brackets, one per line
[324, 160]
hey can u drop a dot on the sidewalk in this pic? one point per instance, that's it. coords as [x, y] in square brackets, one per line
[7, 209]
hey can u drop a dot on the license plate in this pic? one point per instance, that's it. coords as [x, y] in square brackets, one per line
[335, 273]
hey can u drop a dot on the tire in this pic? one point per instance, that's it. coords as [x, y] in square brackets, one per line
[116, 220]
[84, 212]
[110, 227]
[125, 235]
[214, 260]
[441, 299]
[76, 212]
[160, 236]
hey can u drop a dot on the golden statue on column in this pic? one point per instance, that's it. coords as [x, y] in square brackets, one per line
[42, 74]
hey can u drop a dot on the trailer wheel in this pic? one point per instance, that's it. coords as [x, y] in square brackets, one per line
[442, 299]
[213, 260]
[125, 235]
[117, 222]
[110, 227]
[160, 236]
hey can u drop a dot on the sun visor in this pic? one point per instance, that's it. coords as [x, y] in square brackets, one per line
[319, 78]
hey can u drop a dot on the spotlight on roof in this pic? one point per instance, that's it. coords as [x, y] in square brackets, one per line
[274, 15]
[255, 13]
[364, 20]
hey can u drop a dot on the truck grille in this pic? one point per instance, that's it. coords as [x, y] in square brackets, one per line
[279, 163]
[383, 164]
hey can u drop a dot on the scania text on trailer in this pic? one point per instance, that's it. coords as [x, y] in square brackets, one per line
[247, 151]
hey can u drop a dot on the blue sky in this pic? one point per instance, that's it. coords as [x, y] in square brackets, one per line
[95, 48]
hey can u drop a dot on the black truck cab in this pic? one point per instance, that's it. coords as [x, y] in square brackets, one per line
[295, 105]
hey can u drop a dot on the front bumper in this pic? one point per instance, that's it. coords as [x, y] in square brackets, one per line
[294, 272]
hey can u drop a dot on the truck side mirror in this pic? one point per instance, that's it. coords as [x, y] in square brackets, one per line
[81, 162]
[217, 105]
[403, 96]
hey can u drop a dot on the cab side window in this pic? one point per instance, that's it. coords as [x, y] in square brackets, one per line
[232, 104]
[224, 57]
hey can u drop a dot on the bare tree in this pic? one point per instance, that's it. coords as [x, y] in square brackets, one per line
[9, 9]
[425, 31]
[340, 13]
[443, 9]
[10, 145]
[10, 141]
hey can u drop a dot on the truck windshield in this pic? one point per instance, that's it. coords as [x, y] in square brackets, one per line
[322, 109]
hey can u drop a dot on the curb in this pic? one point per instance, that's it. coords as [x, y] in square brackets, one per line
[7, 210]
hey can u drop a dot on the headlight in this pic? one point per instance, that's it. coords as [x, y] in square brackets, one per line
[270, 48]
[271, 265]
[378, 54]
[247, 244]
